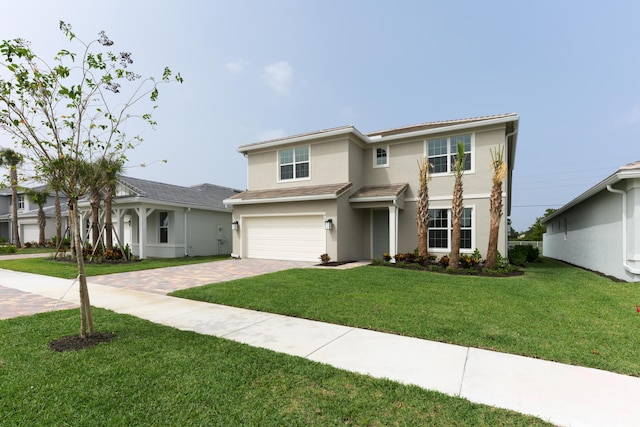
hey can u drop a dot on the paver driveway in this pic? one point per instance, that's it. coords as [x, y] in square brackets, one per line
[15, 303]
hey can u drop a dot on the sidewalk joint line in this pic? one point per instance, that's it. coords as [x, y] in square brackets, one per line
[464, 371]
[330, 342]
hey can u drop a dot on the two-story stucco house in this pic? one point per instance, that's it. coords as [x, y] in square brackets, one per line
[353, 195]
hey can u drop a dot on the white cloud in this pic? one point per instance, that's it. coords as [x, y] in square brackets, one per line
[279, 76]
[630, 117]
[237, 66]
[269, 134]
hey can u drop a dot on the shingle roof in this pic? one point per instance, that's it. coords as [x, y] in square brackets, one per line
[205, 195]
[315, 191]
[439, 124]
[390, 191]
[374, 136]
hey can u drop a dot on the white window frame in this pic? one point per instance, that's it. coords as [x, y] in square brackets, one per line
[163, 227]
[21, 201]
[294, 163]
[449, 229]
[375, 157]
[452, 152]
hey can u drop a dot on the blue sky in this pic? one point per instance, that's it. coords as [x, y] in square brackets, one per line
[255, 70]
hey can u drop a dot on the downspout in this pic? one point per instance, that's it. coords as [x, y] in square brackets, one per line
[186, 236]
[508, 182]
[624, 230]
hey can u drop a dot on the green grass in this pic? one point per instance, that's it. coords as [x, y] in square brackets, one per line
[24, 250]
[69, 270]
[156, 375]
[553, 312]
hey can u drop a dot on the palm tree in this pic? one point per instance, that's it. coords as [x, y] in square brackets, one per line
[12, 159]
[112, 169]
[457, 205]
[499, 169]
[422, 208]
[40, 198]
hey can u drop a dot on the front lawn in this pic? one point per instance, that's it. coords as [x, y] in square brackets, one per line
[553, 312]
[156, 375]
[69, 269]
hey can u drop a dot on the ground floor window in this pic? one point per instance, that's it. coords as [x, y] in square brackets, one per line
[440, 229]
[164, 227]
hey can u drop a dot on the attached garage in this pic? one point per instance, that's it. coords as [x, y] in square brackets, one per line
[30, 233]
[297, 238]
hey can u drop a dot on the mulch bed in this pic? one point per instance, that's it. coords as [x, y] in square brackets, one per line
[74, 342]
[333, 263]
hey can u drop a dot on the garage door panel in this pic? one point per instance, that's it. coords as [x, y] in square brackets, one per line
[300, 238]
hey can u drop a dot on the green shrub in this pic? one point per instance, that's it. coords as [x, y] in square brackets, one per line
[435, 268]
[444, 261]
[8, 249]
[518, 255]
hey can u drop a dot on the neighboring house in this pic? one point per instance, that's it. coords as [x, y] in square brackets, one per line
[167, 221]
[353, 195]
[28, 227]
[600, 229]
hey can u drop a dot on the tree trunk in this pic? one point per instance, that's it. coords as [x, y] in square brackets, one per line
[86, 319]
[13, 176]
[108, 218]
[42, 223]
[456, 217]
[495, 211]
[95, 217]
[58, 219]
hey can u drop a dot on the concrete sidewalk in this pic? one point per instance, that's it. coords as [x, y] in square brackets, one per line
[562, 394]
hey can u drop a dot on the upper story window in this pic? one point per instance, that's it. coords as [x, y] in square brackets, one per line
[294, 163]
[442, 153]
[382, 157]
[20, 201]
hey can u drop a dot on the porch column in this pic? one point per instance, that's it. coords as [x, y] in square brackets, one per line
[393, 230]
[120, 217]
[142, 231]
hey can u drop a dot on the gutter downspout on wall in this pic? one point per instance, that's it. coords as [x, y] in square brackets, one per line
[624, 230]
[508, 182]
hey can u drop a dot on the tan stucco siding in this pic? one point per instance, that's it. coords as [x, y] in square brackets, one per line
[350, 229]
[328, 164]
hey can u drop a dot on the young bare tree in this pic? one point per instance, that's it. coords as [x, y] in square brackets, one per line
[457, 206]
[69, 112]
[12, 159]
[422, 208]
[40, 198]
[499, 171]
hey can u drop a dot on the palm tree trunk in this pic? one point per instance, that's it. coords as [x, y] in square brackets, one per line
[495, 212]
[108, 219]
[86, 319]
[58, 218]
[422, 209]
[42, 223]
[456, 217]
[13, 176]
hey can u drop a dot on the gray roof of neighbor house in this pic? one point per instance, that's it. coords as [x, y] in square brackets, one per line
[630, 170]
[202, 195]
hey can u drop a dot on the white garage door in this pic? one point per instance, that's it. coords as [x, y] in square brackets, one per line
[30, 233]
[297, 238]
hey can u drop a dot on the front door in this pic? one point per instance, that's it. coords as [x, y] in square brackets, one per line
[379, 233]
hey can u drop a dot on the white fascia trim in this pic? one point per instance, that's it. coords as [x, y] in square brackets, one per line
[232, 202]
[373, 199]
[304, 138]
[462, 126]
[611, 180]
[446, 198]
